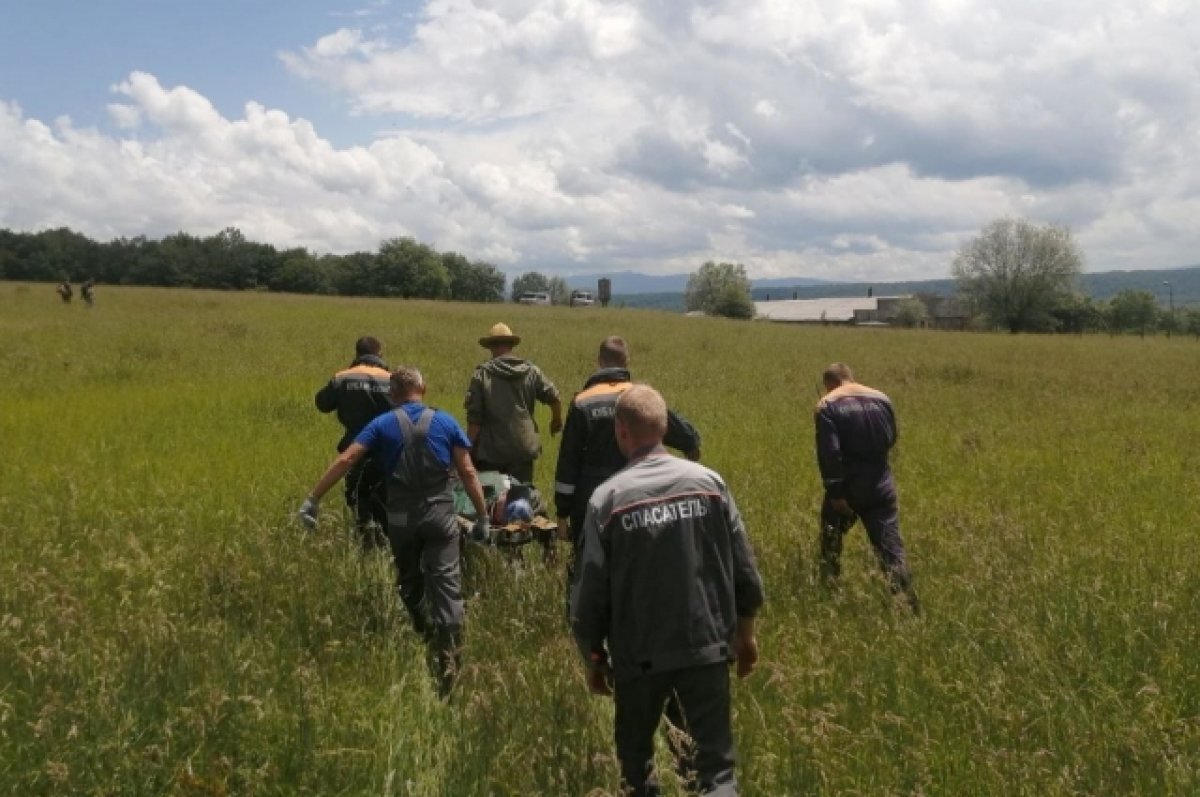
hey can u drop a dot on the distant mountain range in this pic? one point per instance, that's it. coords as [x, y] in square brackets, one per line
[666, 292]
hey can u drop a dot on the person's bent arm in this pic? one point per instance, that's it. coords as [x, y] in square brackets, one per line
[682, 435]
[556, 420]
[337, 469]
[326, 398]
[474, 405]
[567, 470]
[469, 479]
[333, 474]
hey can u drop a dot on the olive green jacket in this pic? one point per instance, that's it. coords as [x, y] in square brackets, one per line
[501, 399]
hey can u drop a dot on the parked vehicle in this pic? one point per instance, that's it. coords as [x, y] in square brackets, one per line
[582, 299]
[534, 297]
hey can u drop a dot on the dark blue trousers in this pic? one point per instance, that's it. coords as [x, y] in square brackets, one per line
[871, 494]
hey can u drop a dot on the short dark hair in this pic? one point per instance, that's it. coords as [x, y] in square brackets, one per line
[367, 345]
[614, 352]
[837, 374]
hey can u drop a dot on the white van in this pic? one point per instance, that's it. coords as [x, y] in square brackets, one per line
[534, 297]
[582, 299]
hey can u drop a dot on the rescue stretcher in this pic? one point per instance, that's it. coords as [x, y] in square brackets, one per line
[516, 511]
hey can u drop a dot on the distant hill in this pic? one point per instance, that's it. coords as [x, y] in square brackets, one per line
[1185, 283]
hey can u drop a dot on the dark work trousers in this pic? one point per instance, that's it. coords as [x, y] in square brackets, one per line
[871, 493]
[705, 759]
[425, 545]
[366, 495]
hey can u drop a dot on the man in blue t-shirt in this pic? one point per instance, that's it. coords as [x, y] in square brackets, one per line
[417, 446]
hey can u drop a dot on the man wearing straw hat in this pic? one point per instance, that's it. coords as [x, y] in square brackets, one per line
[500, 403]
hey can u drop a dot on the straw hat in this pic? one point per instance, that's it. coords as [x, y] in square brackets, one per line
[499, 334]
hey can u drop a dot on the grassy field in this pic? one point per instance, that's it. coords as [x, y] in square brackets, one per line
[166, 629]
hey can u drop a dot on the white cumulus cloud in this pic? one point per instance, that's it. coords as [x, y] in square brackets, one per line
[847, 139]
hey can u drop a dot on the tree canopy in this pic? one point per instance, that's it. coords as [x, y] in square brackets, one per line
[1133, 311]
[720, 289]
[228, 261]
[530, 282]
[1016, 272]
[910, 312]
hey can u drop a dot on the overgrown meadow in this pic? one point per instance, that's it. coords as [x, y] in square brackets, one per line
[166, 629]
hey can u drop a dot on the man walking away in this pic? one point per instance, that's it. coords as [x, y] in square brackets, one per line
[358, 394]
[64, 292]
[500, 402]
[856, 428]
[88, 292]
[417, 445]
[588, 453]
[666, 597]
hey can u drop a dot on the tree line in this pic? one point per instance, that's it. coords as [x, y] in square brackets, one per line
[1014, 275]
[401, 267]
[1023, 277]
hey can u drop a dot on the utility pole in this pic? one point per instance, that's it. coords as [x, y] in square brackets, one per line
[1171, 306]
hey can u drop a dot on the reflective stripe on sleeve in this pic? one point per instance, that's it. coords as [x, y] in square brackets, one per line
[565, 489]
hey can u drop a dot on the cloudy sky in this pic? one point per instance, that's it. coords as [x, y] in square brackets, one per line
[836, 139]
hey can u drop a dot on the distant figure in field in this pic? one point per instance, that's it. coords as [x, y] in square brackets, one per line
[65, 292]
[500, 403]
[666, 597]
[588, 453]
[856, 428]
[417, 446]
[88, 292]
[358, 394]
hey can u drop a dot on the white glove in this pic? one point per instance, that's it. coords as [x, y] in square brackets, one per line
[308, 512]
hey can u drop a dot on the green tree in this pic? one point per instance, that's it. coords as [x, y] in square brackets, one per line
[720, 289]
[355, 274]
[1076, 313]
[1192, 321]
[559, 292]
[530, 282]
[412, 270]
[1016, 272]
[300, 272]
[1132, 311]
[473, 282]
[910, 312]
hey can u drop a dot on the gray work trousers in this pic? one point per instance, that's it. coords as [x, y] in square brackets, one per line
[425, 545]
[705, 760]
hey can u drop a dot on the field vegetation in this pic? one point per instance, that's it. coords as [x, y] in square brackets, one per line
[167, 629]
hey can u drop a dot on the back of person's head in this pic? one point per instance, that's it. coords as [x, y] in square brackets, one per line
[367, 345]
[642, 410]
[837, 374]
[406, 381]
[614, 352]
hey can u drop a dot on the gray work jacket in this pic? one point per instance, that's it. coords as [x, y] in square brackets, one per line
[665, 570]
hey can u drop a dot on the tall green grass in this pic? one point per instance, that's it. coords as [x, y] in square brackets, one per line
[165, 629]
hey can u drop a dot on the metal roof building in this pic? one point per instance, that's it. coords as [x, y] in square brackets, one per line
[817, 311]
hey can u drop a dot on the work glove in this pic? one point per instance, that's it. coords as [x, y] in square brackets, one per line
[482, 530]
[308, 512]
